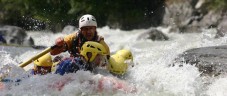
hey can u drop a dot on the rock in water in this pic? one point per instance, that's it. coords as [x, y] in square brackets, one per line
[209, 60]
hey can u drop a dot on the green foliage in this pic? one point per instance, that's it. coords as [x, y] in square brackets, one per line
[216, 4]
[122, 13]
[51, 11]
[12, 10]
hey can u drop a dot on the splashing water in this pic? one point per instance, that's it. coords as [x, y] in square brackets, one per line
[151, 74]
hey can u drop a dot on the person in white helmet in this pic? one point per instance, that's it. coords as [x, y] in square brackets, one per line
[73, 42]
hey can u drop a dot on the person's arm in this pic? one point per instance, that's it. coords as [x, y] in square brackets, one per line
[63, 44]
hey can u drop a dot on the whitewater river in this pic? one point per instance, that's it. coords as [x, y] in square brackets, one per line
[151, 74]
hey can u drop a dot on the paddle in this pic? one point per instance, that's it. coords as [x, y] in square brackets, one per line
[37, 56]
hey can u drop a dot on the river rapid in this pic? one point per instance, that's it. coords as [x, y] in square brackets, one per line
[151, 74]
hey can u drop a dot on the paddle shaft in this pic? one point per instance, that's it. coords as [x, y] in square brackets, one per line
[37, 56]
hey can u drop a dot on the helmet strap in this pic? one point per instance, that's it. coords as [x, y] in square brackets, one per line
[96, 34]
[89, 55]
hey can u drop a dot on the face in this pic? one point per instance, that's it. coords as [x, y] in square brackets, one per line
[100, 60]
[88, 32]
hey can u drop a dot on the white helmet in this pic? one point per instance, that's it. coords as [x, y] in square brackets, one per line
[87, 20]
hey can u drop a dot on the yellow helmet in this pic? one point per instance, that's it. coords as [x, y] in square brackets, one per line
[44, 61]
[116, 65]
[94, 48]
[127, 54]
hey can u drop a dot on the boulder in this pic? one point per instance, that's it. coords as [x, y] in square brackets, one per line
[178, 12]
[153, 34]
[209, 60]
[222, 26]
[15, 35]
[186, 16]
